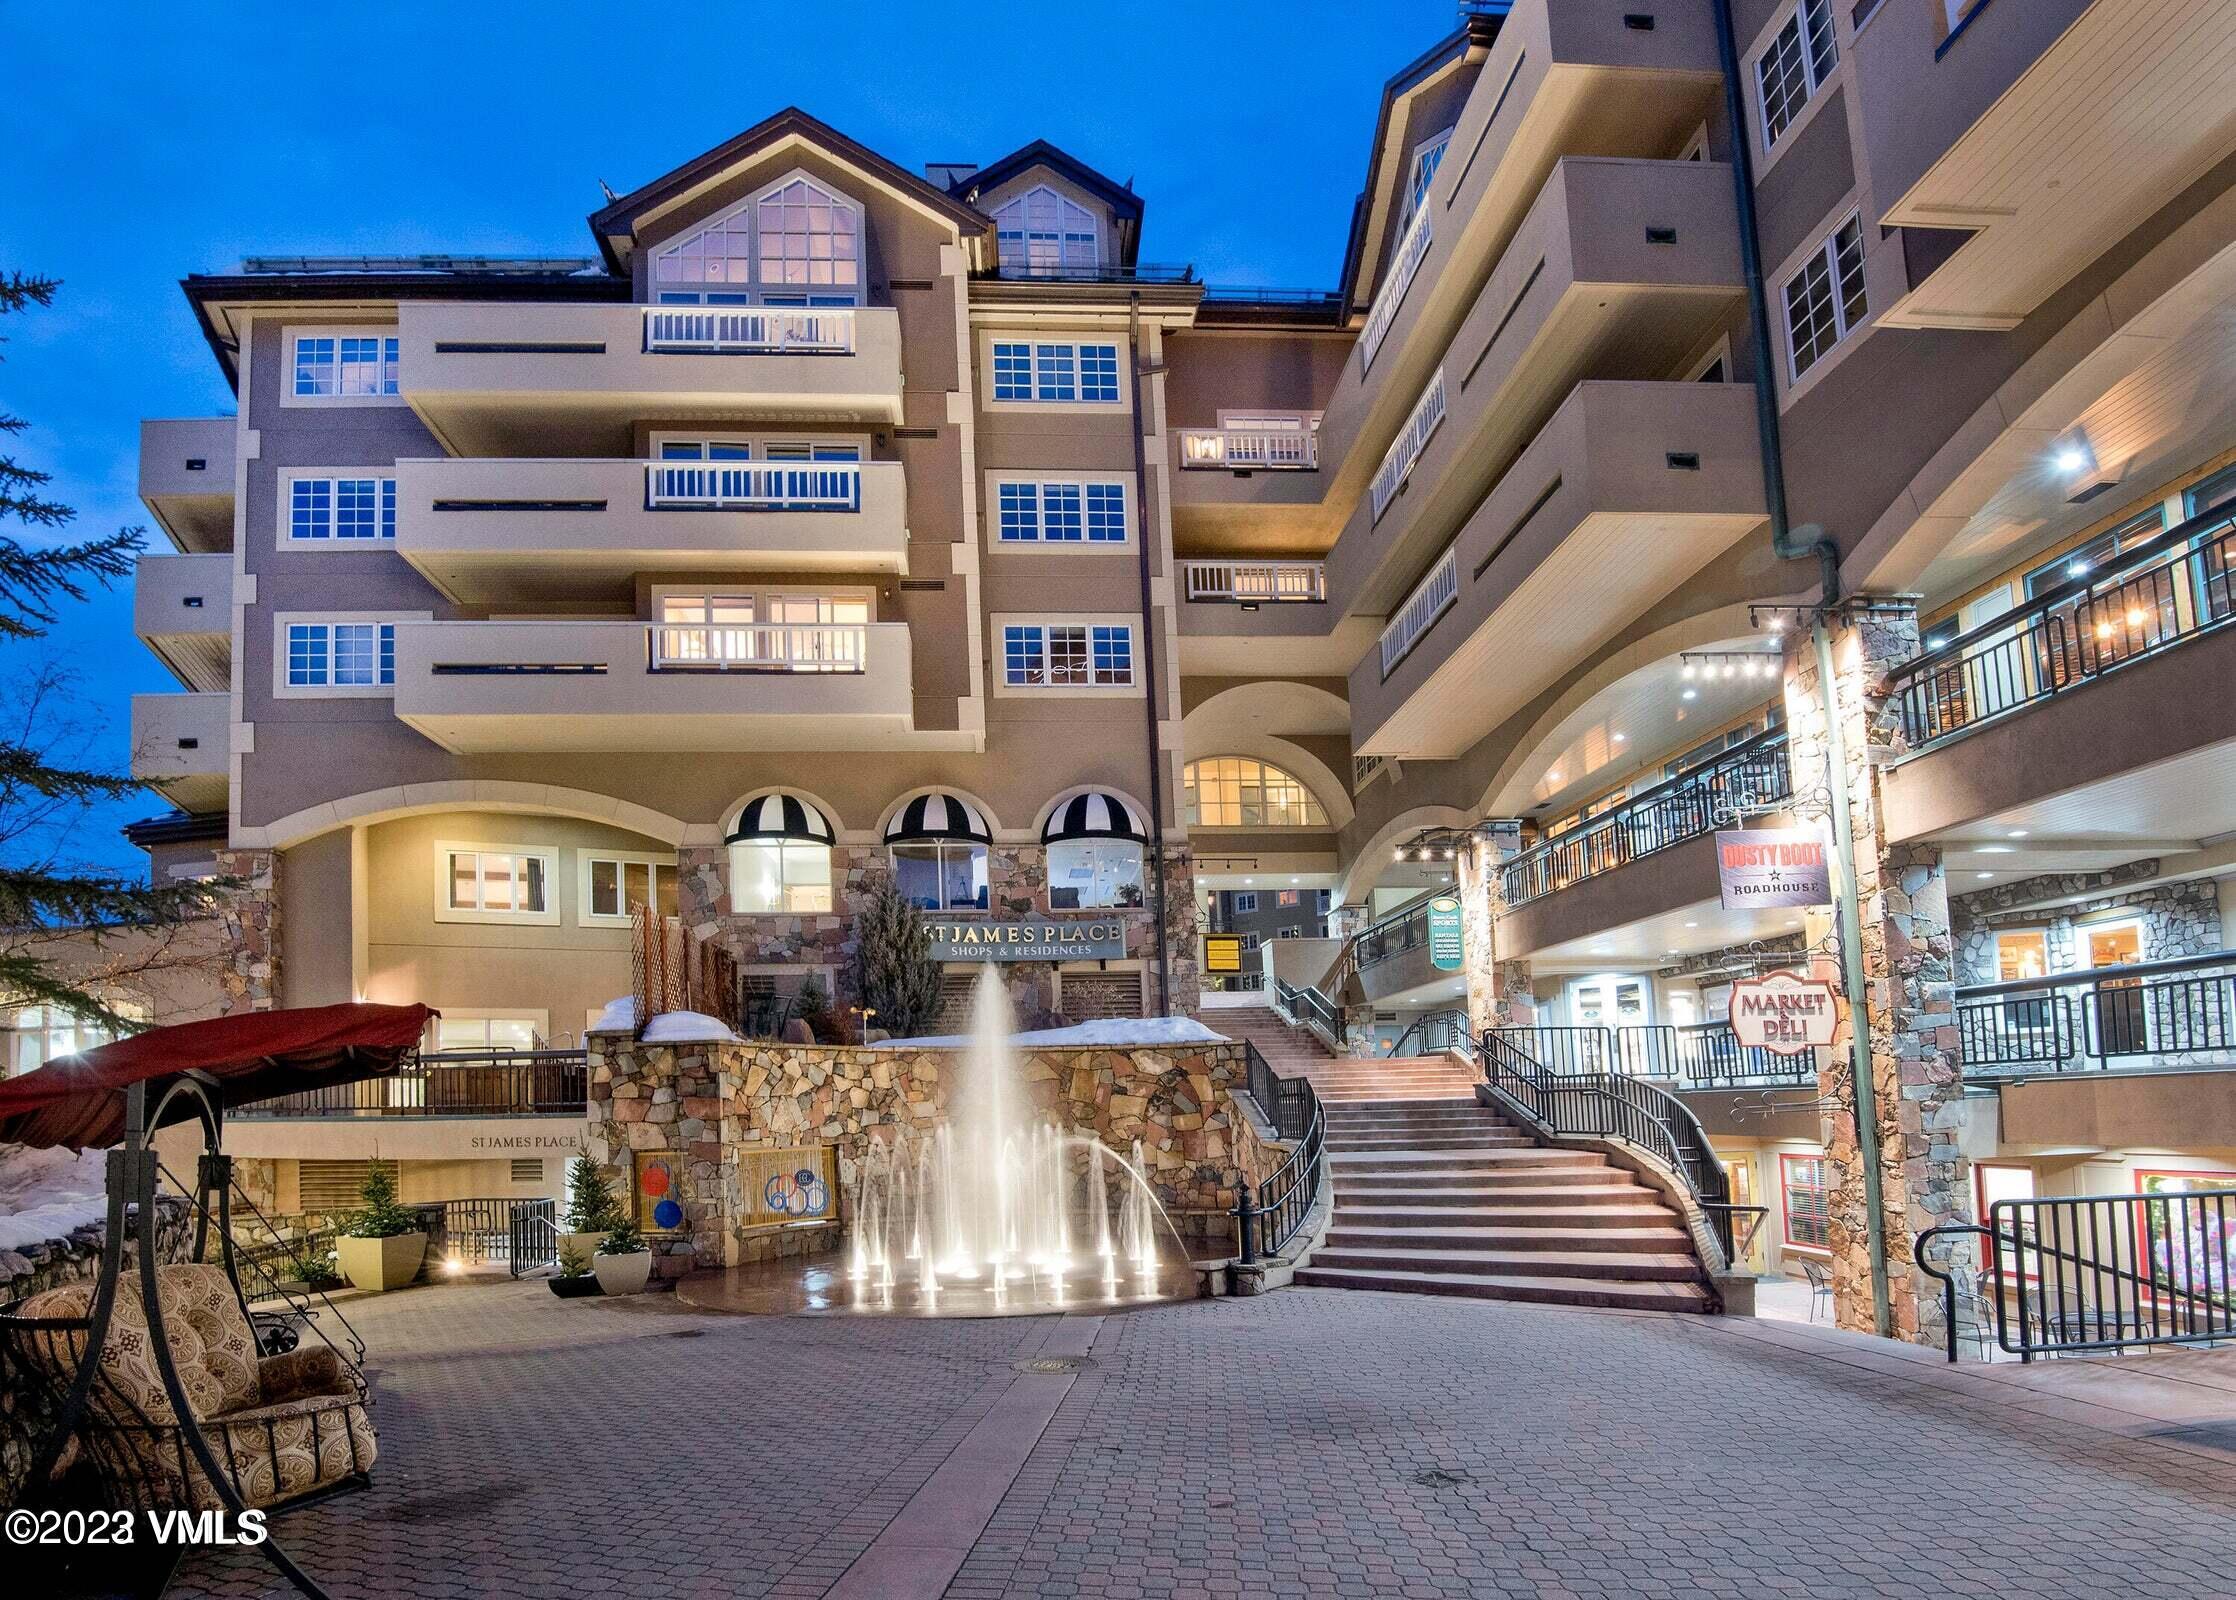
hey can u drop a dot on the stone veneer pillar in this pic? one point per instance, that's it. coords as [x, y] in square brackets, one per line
[1909, 1002]
[1498, 991]
[250, 918]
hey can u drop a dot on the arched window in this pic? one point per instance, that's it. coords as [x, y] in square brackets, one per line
[1094, 845]
[939, 844]
[1043, 232]
[798, 244]
[1241, 792]
[780, 857]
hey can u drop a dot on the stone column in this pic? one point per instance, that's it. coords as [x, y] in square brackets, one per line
[665, 1099]
[1181, 931]
[1909, 1000]
[1498, 991]
[249, 917]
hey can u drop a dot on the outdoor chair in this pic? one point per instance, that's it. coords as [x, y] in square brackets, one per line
[1820, 1286]
[282, 1427]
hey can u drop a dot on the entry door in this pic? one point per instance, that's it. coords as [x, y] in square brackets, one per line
[2120, 1021]
[1739, 1175]
[1609, 1000]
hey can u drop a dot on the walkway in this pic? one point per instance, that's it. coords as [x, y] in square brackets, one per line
[1309, 1442]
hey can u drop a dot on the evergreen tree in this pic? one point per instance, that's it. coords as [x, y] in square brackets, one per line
[384, 1217]
[591, 1206]
[46, 897]
[900, 980]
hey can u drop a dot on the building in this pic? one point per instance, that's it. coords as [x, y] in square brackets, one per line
[518, 594]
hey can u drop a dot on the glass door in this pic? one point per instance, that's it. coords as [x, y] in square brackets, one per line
[2122, 1027]
[1739, 1178]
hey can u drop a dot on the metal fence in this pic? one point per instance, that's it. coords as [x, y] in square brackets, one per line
[2165, 1014]
[478, 1083]
[1272, 1217]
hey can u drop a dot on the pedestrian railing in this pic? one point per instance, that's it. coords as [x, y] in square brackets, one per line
[753, 486]
[1250, 449]
[481, 1083]
[749, 330]
[2158, 1014]
[1269, 1219]
[1303, 1006]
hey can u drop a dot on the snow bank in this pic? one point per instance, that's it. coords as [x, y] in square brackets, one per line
[1113, 1033]
[49, 1194]
[688, 1027]
[619, 1016]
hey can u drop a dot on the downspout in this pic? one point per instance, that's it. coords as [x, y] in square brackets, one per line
[1789, 543]
[1150, 641]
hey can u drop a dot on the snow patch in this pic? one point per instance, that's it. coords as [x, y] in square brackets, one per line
[49, 1194]
[619, 1016]
[686, 1027]
[1117, 1031]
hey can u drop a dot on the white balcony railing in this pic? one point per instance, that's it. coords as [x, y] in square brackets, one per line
[1253, 582]
[1430, 599]
[1251, 449]
[749, 330]
[753, 486]
[1406, 448]
[760, 647]
[1411, 251]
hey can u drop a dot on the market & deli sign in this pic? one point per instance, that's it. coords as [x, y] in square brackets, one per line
[1784, 1013]
[1033, 939]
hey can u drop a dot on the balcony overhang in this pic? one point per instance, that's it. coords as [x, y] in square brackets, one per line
[495, 532]
[181, 747]
[1628, 491]
[479, 688]
[186, 480]
[182, 609]
[496, 379]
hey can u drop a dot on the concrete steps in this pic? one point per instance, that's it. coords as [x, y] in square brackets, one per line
[1626, 1295]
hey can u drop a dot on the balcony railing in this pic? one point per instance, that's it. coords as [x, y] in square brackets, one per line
[753, 486]
[2161, 1015]
[2163, 593]
[1061, 272]
[749, 330]
[1700, 1055]
[1250, 449]
[1256, 582]
[1412, 250]
[1430, 599]
[759, 647]
[1713, 795]
[1405, 449]
[488, 1083]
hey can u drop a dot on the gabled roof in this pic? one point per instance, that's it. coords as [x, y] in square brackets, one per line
[1040, 153]
[615, 224]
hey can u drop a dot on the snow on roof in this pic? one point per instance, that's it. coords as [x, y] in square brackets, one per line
[1114, 1032]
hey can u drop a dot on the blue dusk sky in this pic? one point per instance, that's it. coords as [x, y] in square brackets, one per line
[166, 139]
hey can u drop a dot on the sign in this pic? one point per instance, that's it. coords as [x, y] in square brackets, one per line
[786, 1186]
[1038, 939]
[1772, 867]
[658, 1190]
[1784, 1013]
[1222, 952]
[1446, 947]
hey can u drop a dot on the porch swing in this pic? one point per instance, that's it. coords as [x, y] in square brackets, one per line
[161, 1386]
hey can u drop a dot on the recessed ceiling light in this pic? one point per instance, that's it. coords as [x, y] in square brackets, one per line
[1995, 850]
[1620, 737]
[2072, 458]
[1983, 874]
[2016, 833]
[1692, 924]
[1552, 777]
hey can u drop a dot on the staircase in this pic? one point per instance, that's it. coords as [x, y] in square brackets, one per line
[1436, 1193]
[1291, 1052]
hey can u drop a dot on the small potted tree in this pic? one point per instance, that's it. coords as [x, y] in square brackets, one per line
[624, 1259]
[382, 1246]
[575, 1278]
[592, 1209]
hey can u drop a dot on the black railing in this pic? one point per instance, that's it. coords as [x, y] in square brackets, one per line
[489, 1083]
[1271, 1218]
[2157, 1014]
[1052, 272]
[2164, 592]
[1612, 1105]
[2097, 1272]
[1306, 1007]
[1434, 1033]
[1401, 931]
[534, 1230]
[1715, 794]
[1706, 1055]
[483, 1231]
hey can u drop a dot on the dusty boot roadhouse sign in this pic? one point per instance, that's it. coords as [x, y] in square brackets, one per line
[1772, 867]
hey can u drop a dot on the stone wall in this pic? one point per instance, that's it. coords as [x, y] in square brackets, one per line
[712, 1103]
[249, 920]
[52, 1263]
[2179, 919]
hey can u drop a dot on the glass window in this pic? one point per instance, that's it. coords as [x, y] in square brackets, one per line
[486, 1033]
[1042, 232]
[1020, 512]
[1040, 657]
[1060, 513]
[1242, 792]
[500, 883]
[2099, 552]
[2021, 953]
[2214, 494]
[1054, 375]
[798, 245]
[1825, 299]
[341, 655]
[779, 875]
[1013, 372]
[1795, 66]
[331, 365]
[42, 1033]
[942, 874]
[1093, 872]
[1056, 372]
[1245, 903]
[1098, 372]
[1808, 1196]
[1106, 513]
[1426, 160]
[331, 510]
[620, 888]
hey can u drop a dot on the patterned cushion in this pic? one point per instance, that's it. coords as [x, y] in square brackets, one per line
[306, 1370]
[212, 1346]
[268, 1454]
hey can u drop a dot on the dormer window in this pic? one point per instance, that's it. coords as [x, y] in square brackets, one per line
[1043, 233]
[1426, 159]
[793, 244]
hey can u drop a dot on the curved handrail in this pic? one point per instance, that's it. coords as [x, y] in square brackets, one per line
[1303, 1006]
[1288, 1194]
[1425, 1026]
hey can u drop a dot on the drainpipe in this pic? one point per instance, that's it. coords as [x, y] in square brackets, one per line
[1789, 543]
[1150, 641]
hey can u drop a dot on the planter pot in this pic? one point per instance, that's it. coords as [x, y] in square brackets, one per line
[625, 1274]
[575, 1288]
[587, 1243]
[378, 1264]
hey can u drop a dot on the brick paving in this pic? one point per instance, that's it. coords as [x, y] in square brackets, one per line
[1307, 1442]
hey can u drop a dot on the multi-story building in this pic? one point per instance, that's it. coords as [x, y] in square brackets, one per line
[836, 520]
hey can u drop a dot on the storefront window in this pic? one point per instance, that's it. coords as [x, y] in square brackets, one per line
[780, 875]
[1094, 872]
[941, 874]
[1808, 1197]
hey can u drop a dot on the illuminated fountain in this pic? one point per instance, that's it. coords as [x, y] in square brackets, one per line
[996, 1212]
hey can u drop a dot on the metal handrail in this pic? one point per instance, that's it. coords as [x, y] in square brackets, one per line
[2157, 1014]
[1306, 1007]
[1709, 796]
[1256, 582]
[502, 1083]
[1285, 1200]
[753, 485]
[1250, 449]
[749, 330]
[1145, 272]
[761, 646]
[1426, 1030]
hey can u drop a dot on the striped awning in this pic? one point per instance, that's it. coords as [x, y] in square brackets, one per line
[1094, 815]
[781, 816]
[938, 815]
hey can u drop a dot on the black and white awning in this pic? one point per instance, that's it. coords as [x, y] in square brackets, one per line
[938, 815]
[1094, 815]
[781, 816]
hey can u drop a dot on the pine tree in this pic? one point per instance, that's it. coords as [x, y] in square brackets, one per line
[45, 897]
[591, 1206]
[383, 1217]
[900, 980]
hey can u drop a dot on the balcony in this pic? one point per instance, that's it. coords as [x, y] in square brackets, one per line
[495, 379]
[1627, 492]
[1250, 449]
[182, 609]
[1696, 1056]
[2155, 1016]
[1255, 583]
[519, 1083]
[568, 686]
[181, 745]
[1248, 617]
[491, 532]
[186, 480]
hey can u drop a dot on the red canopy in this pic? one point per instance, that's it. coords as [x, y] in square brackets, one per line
[78, 1101]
